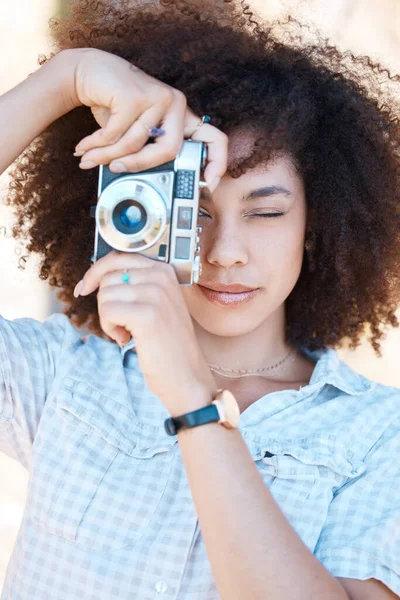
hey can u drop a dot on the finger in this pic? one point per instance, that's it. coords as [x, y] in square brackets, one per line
[130, 142]
[116, 318]
[122, 114]
[144, 290]
[164, 277]
[165, 147]
[217, 153]
[135, 276]
[120, 333]
[149, 291]
[113, 261]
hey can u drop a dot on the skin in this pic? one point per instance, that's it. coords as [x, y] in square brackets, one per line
[257, 252]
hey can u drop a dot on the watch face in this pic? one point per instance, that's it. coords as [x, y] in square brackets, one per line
[231, 408]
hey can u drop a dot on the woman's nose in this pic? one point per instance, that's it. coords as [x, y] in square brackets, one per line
[225, 247]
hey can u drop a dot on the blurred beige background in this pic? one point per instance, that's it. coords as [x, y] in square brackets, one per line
[365, 26]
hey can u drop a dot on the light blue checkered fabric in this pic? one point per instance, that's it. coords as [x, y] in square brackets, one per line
[109, 511]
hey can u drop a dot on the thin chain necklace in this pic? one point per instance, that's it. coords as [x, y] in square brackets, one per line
[248, 373]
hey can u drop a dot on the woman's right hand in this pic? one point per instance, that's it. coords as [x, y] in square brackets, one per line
[125, 101]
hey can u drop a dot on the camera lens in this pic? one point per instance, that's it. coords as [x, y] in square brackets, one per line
[129, 217]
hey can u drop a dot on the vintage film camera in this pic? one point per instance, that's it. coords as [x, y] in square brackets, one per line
[154, 212]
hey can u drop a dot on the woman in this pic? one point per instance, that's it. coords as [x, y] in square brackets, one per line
[301, 210]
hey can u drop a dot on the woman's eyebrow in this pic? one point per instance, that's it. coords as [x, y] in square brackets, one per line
[269, 190]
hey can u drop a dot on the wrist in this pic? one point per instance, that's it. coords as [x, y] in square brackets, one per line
[53, 86]
[195, 399]
[66, 63]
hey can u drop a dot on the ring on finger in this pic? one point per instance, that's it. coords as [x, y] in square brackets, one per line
[125, 276]
[204, 119]
[153, 131]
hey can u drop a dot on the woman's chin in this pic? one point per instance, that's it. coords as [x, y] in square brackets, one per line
[225, 321]
[224, 325]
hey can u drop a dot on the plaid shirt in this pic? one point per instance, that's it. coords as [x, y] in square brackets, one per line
[109, 510]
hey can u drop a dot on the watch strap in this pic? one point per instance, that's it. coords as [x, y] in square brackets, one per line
[200, 416]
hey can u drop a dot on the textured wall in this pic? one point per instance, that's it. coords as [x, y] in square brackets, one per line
[23, 33]
[365, 26]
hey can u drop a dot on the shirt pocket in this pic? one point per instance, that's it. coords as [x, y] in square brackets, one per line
[91, 482]
[303, 475]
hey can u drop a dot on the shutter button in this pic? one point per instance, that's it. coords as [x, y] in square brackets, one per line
[161, 587]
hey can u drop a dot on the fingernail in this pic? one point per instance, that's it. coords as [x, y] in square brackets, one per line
[79, 153]
[118, 167]
[78, 288]
[87, 164]
[214, 183]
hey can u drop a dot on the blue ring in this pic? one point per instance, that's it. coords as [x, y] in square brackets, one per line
[125, 278]
[156, 132]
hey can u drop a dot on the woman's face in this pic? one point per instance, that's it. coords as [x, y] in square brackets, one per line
[239, 246]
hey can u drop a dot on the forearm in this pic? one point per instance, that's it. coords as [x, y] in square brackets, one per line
[253, 551]
[30, 107]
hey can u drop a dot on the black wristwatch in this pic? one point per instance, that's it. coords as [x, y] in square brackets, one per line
[224, 409]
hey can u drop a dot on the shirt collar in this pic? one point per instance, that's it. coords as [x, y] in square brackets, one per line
[129, 346]
[329, 369]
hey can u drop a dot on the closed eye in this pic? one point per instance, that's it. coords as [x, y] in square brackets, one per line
[265, 215]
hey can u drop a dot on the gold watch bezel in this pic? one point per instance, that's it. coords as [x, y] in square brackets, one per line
[227, 405]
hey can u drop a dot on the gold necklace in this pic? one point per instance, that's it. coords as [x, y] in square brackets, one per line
[248, 373]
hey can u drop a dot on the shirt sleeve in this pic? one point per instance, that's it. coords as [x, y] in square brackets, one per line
[361, 536]
[29, 354]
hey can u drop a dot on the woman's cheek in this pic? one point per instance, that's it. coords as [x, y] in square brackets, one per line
[282, 253]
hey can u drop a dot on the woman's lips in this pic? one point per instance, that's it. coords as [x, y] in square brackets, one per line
[227, 298]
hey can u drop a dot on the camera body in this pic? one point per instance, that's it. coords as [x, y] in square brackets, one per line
[154, 212]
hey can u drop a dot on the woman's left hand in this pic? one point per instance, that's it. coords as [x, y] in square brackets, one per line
[151, 308]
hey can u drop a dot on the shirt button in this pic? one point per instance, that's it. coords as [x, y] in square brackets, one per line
[161, 587]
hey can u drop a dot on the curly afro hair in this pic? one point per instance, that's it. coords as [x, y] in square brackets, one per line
[332, 112]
